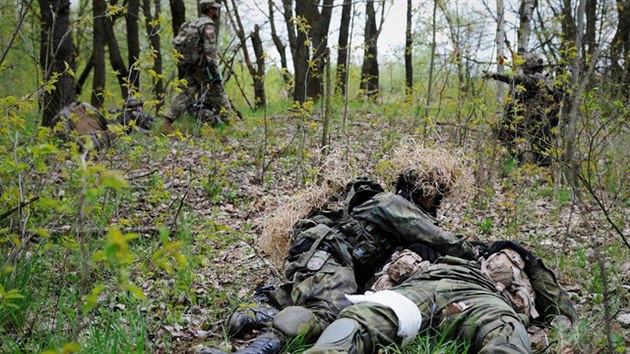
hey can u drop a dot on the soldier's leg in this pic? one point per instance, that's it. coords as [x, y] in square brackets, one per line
[318, 297]
[477, 314]
[217, 99]
[180, 102]
[367, 326]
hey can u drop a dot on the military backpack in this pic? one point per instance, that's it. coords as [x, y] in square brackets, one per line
[188, 41]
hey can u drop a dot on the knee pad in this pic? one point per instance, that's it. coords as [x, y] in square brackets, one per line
[296, 321]
[341, 336]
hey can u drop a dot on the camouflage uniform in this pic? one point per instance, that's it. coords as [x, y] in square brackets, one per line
[532, 112]
[339, 255]
[132, 111]
[84, 120]
[203, 79]
[455, 298]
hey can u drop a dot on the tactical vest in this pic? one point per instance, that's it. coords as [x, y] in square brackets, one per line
[352, 242]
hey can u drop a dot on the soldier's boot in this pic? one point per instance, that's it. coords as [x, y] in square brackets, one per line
[251, 319]
[167, 127]
[342, 336]
[270, 342]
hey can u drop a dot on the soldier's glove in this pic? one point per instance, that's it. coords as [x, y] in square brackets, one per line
[351, 228]
[497, 246]
[426, 252]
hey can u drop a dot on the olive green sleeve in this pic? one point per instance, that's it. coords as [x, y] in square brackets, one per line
[551, 298]
[397, 216]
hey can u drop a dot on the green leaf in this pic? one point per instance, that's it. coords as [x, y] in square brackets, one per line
[113, 179]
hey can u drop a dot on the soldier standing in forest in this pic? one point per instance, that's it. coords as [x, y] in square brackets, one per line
[196, 42]
[532, 112]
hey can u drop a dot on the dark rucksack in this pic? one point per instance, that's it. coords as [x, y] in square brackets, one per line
[188, 41]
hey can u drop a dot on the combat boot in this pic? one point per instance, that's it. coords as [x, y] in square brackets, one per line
[167, 127]
[270, 342]
[251, 319]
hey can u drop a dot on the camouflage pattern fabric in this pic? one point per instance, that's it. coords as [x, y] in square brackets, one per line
[456, 299]
[200, 84]
[86, 121]
[531, 112]
[387, 221]
[505, 269]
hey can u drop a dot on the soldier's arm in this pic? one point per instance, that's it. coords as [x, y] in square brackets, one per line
[525, 80]
[397, 216]
[210, 49]
[551, 298]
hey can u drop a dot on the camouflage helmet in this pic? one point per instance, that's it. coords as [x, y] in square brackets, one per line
[425, 189]
[133, 102]
[533, 62]
[205, 5]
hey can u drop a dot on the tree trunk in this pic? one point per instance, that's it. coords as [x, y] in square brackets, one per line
[178, 13]
[314, 31]
[408, 52]
[153, 33]
[369, 69]
[98, 54]
[591, 25]
[257, 74]
[573, 110]
[620, 47]
[133, 44]
[431, 61]
[259, 77]
[321, 22]
[56, 55]
[116, 59]
[568, 28]
[342, 52]
[500, 42]
[280, 46]
[526, 13]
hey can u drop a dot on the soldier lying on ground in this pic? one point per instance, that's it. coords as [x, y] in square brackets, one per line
[338, 248]
[132, 114]
[489, 303]
[82, 120]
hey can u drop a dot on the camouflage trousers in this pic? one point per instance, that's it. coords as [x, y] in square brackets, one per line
[198, 86]
[453, 306]
[322, 291]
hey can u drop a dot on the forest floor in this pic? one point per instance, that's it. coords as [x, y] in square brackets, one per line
[521, 204]
[215, 188]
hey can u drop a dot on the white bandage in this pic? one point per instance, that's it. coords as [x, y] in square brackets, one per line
[409, 317]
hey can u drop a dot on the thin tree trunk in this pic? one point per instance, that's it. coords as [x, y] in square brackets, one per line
[133, 44]
[56, 55]
[257, 75]
[280, 46]
[342, 52]
[431, 61]
[369, 69]
[98, 54]
[178, 13]
[116, 59]
[591, 25]
[408, 52]
[153, 33]
[259, 78]
[500, 42]
[526, 13]
[572, 116]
